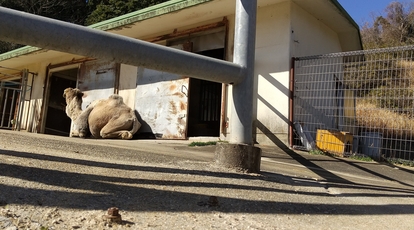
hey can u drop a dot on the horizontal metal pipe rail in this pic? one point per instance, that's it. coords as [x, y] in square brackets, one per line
[29, 29]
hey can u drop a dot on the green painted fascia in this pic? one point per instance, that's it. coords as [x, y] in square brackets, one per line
[147, 13]
[123, 20]
[18, 52]
[350, 19]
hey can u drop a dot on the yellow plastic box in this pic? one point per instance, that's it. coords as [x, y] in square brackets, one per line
[335, 142]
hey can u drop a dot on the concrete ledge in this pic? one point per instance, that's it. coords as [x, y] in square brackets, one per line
[242, 157]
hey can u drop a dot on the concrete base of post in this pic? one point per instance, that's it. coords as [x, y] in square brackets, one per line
[242, 157]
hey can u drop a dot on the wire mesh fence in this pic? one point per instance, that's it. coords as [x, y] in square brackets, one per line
[356, 103]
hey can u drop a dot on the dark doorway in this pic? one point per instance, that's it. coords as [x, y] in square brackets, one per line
[57, 122]
[205, 103]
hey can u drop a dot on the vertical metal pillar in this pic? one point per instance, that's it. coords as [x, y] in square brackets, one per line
[241, 120]
[291, 100]
[23, 88]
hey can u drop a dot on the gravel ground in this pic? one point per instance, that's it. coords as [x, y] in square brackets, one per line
[51, 182]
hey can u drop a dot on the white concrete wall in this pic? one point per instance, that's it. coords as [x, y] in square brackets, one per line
[284, 30]
[127, 84]
[271, 104]
[309, 36]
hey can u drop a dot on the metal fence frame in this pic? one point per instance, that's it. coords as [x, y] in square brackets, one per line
[12, 99]
[355, 103]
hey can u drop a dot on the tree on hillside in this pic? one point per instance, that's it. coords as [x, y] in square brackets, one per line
[101, 10]
[74, 11]
[82, 12]
[396, 28]
[384, 80]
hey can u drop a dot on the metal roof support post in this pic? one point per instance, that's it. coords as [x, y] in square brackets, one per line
[23, 88]
[240, 152]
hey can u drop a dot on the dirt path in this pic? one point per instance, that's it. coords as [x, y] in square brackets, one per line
[55, 183]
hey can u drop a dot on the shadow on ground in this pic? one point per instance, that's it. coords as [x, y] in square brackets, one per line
[94, 191]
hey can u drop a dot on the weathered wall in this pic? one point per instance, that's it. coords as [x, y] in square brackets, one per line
[162, 103]
[127, 84]
[272, 73]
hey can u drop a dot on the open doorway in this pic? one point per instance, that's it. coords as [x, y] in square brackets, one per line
[57, 122]
[204, 111]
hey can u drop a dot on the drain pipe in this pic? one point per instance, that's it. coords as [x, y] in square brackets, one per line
[240, 152]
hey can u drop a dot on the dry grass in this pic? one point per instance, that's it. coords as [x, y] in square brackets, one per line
[389, 123]
[408, 67]
[385, 121]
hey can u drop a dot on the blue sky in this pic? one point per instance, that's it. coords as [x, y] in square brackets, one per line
[361, 10]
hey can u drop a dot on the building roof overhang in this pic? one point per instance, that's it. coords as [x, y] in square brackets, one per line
[174, 14]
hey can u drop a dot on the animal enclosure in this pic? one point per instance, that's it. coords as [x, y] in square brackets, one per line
[358, 102]
[14, 88]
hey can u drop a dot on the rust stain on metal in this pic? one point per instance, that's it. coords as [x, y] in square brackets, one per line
[198, 29]
[173, 107]
[173, 87]
[178, 94]
[183, 106]
[73, 61]
[161, 100]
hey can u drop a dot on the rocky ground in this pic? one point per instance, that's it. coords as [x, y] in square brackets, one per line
[51, 182]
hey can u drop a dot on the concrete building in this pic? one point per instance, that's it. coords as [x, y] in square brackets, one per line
[179, 107]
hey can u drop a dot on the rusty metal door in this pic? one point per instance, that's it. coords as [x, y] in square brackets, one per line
[161, 100]
[97, 80]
